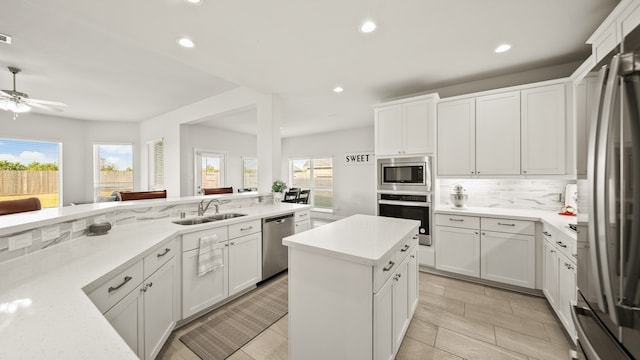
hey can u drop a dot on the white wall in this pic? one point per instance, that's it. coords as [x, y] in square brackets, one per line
[354, 187]
[234, 144]
[77, 138]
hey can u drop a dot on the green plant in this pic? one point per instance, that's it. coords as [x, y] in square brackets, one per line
[278, 186]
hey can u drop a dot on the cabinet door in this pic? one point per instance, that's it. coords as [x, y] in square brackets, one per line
[456, 137]
[383, 335]
[585, 98]
[543, 130]
[419, 127]
[498, 134]
[413, 280]
[245, 257]
[159, 318]
[458, 250]
[388, 129]
[127, 317]
[550, 273]
[202, 291]
[566, 293]
[400, 303]
[303, 225]
[508, 258]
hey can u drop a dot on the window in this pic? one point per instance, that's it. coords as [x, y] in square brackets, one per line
[249, 173]
[317, 175]
[209, 170]
[30, 169]
[156, 164]
[113, 169]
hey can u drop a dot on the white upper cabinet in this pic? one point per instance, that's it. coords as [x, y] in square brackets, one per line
[543, 130]
[585, 103]
[406, 126]
[498, 134]
[456, 137]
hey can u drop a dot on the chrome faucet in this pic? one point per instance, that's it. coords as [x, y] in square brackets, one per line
[202, 208]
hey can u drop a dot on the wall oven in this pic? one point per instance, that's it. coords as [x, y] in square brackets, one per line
[404, 174]
[414, 207]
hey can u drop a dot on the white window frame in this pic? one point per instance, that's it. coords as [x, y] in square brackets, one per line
[96, 167]
[198, 154]
[243, 159]
[312, 185]
[151, 155]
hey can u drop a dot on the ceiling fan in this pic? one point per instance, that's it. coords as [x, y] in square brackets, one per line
[19, 102]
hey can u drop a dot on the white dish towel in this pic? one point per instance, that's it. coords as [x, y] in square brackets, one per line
[210, 255]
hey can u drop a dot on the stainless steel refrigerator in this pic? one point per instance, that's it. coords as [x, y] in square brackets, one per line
[607, 314]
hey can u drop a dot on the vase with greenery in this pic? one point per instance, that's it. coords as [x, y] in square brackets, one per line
[278, 187]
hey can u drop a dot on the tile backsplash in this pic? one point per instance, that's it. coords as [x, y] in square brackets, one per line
[507, 193]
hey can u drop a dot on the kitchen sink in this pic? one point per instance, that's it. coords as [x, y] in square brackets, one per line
[206, 219]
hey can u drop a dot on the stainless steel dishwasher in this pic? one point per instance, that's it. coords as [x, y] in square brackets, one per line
[275, 257]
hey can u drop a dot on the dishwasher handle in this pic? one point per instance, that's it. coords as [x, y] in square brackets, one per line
[278, 219]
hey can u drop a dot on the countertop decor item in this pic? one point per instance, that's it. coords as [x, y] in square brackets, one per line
[278, 187]
[99, 228]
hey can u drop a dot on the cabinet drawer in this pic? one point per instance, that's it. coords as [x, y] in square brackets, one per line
[303, 215]
[406, 246]
[161, 255]
[192, 240]
[383, 271]
[606, 42]
[117, 287]
[245, 228]
[523, 227]
[563, 243]
[461, 221]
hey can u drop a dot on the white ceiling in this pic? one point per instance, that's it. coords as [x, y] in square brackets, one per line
[117, 60]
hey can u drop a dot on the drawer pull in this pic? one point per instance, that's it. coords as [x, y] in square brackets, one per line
[561, 244]
[303, 214]
[413, 256]
[166, 251]
[114, 288]
[569, 266]
[505, 224]
[545, 233]
[405, 248]
[453, 219]
[247, 228]
[389, 266]
[552, 251]
[415, 237]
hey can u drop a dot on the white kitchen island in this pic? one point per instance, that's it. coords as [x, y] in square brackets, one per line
[353, 288]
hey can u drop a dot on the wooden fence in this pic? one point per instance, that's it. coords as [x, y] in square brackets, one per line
[21, 182]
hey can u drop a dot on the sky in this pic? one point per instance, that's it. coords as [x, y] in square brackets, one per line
[119, 155]
[26, 151]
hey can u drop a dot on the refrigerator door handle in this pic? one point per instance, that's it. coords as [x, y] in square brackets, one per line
[592, 202]
[601, 186]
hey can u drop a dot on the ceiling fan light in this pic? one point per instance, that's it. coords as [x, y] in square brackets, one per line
[5, 104]
[20, 108]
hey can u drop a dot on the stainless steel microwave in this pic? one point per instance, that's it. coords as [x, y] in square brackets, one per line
[404, 174]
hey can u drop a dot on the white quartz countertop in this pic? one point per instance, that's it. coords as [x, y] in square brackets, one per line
[364, 239]
[557, 221]
[44, 312]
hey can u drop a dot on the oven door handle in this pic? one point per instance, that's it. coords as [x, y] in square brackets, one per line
[404, 203]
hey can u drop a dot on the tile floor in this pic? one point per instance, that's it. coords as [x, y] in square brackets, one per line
[454, 320]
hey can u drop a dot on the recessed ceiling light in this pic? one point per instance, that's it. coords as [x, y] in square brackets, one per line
[186, 42]
[367, 26]
[338, 89]
[502, 48]
[193, 1]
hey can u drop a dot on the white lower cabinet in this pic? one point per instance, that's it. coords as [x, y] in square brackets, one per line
[550, 273]
[383, 334]
[501, 250]
[145, 316]
[303, 221]
[559, 278]
[413, 280]
[241, 247]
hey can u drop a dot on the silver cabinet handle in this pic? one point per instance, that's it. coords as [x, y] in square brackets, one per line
[484, 233]
[150, 284]
[472, 172]
[454, 219]
[166, 251]
[546, 234]
[303, 214]
[405, 248]
[524, 171]
[505, 224]
[389, 266]
[226, 244]
[415, 237]
[281, 221]
[232, 243]
[561, 244]
[114, 288]
[413, 256]
[552, 251]
[569, 266]
[247, 228]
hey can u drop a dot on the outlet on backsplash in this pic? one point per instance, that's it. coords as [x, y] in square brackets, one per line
[508, 193]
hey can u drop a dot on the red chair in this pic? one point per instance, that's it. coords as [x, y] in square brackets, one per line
[17, 206]
[141, 195]
[214, 191]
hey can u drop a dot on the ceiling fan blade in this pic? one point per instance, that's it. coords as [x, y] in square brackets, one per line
[41, 106]
[2, 93]
[44, 102]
